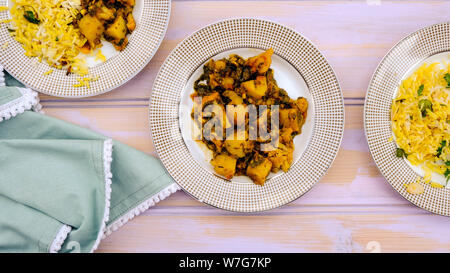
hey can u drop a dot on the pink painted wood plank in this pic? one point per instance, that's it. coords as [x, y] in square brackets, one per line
[349, 208]
[353, 35]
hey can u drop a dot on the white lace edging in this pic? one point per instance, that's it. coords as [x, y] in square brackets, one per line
[107, 159]
[32, 95]
[172, 188]
[60, 238]
[28, 101]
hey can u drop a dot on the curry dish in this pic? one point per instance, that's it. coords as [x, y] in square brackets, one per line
[56, 31]
[110, 19]
[243, 82]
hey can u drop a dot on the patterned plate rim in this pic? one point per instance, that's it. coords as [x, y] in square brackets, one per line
[105, 85]
[390, 179]
[153, 112]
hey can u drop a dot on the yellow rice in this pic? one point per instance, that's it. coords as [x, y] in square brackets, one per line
[54, 40]
[418, 135]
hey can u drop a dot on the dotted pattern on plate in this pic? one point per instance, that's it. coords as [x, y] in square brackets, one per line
[246, 33]
[143, 44]
[408, 52]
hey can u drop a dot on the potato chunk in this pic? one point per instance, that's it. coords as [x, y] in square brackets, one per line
[237, 113]
[219, 65]
[131, 24]
[227, 83]
[218, 143]
[235, 147]
[103, 13]
[286, 135]
[212, 81]
[224, 165]
[118, 29]
[210, 98]
[281, 158]
[260, 63]
[235, 99]
[256, 88]
[291, 118]
[258, 169]
[302, 104]
[238, 146]
[127, 2]
[92, 28]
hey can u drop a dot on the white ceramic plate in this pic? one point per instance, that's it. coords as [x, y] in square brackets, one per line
[152, 17]
[428, 44]
[299, 68]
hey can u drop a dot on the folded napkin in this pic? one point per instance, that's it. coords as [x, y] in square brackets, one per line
[62, 187]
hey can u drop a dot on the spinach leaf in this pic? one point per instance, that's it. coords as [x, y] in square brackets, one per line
[420, 90]
[439, 150]
[400, 152]
[31, 17]
[425, 105]
[447, 79]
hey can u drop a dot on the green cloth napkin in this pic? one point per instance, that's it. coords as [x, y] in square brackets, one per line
[62, 187]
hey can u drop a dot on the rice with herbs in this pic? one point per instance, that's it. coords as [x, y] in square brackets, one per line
[420, 119]
[45, 30]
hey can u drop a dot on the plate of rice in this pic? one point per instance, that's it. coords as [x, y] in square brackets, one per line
[407, 118]
[79, 48]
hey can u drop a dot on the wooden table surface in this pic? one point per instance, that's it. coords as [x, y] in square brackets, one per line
[352, 209]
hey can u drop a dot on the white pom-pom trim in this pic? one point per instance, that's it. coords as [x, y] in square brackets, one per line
[28, 101]
[107, 159]
[172, 188]
[60, 238]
